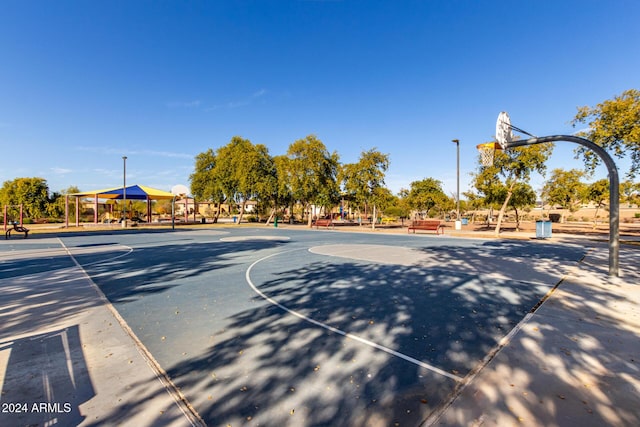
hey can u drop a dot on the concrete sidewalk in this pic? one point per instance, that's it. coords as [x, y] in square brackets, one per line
[65, 357]
[574, 361]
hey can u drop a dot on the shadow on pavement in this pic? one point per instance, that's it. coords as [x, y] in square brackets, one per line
[46, 380]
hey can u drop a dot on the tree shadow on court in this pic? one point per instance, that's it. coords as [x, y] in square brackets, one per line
[531, 262]
[576, 361]
[18, 266]
[33, 301]
[275, 369]
[158, 268]
[271, 368]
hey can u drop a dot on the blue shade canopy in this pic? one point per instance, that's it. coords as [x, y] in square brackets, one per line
[133, 192]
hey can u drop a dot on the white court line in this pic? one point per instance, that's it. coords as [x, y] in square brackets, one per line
[88, 250]
[341, 332]
[163, 378]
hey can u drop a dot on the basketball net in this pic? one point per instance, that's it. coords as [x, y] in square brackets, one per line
[487, 152]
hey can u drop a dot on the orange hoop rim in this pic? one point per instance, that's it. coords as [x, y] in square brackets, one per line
[489, 146]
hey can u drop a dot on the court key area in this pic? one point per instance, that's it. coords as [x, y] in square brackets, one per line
[278, 327]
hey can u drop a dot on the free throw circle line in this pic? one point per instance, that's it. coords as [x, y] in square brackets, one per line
[126, 251]
[339, 331]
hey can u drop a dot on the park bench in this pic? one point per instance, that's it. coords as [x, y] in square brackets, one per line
[17, 228]
[323, 222]
[429, 225]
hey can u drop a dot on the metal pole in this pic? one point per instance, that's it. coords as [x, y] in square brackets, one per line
[173, 213]
[614, 190]
[457, 142]
[124, 192]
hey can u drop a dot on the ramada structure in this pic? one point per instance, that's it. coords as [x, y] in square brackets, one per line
[133, 192]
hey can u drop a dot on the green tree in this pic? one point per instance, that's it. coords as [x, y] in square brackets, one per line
[312, 173]
[363, 181]
[598, 193]
[56, 204]
[259, 180]
[284, 192]
[399, 206]
[614, 125]
[225, 171]
[31, 193]
[383, 200]
[523, 197]
[205, 183]
[426, 195]
[510, 167]
[243, 171]
[473, 202]
[630, 193]
[564, 189]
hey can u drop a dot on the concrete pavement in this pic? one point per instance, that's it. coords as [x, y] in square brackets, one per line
[65, 356]
[574, 361]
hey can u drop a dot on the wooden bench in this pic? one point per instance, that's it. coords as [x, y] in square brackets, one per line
[323, 222]
[429, 225]
[17, 228]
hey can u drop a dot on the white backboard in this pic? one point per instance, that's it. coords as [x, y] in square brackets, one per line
[179, 190]
[504, 134]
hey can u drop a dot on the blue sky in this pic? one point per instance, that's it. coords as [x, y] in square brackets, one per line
[84, 83]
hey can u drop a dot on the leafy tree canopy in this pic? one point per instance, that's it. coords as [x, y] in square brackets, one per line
[313, 172]
[614, 125]
[427, 194]
[32, 193]
[564, 189]
[362, 180]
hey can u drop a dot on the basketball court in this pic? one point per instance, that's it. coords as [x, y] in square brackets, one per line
[264, 326]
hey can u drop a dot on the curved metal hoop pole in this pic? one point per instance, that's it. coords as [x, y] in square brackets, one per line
[614, 190]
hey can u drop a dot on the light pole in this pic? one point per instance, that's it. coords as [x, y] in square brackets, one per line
[124, 192]
[458, 222]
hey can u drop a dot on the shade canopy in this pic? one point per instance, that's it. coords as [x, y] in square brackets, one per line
[133, 192]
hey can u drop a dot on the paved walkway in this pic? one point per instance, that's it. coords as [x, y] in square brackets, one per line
[65, 357]
[574, 361]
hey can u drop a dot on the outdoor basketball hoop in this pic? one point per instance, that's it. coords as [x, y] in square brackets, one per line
[487, 152]
[504, 138]
[504, 133]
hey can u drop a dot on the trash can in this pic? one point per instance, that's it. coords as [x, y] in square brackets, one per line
[204, 220]
[543, 229]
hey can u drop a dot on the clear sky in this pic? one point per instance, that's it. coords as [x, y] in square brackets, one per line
[83, 83]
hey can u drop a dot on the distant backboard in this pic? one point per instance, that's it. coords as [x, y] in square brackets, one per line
[179, 190]
[504, 133]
